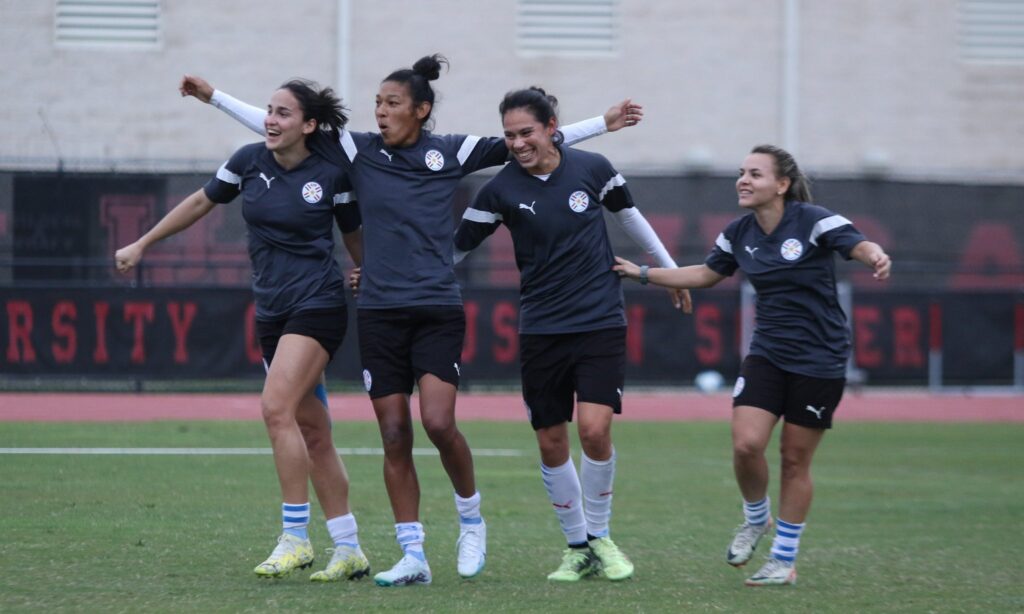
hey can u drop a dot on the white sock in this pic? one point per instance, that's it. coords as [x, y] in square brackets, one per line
[344, 531]
[295, 519]
[468, 509]
[410, 537]
[758, 512]
[786, 544]
[563, 486]
[597, 478]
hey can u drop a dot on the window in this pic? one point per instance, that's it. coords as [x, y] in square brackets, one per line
[582, 28]
[991, 30]
[133, 24]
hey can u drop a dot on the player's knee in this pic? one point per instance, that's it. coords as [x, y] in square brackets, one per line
[795, 464]
[440, 429]
[595, 441]
[275, 413]
[396, 439]
[744, 448]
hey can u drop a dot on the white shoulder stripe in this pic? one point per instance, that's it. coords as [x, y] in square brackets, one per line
[484, 217]
[723, 244]
[344, 198]
[613, 183]
[348, 145]
[827, 224]
[467, 148]
[227, 176]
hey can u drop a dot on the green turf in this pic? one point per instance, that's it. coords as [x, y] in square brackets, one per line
[908, 518]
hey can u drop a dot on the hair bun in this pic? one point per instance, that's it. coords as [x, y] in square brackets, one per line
[429, 67]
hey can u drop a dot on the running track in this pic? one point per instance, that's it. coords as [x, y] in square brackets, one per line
[879, 406]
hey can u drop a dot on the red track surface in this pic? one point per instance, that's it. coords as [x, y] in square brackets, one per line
[912, 406]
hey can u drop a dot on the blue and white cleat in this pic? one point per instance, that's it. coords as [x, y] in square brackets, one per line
[406, 572]
[472, 548]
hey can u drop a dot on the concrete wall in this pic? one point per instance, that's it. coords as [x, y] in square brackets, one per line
[877, 80]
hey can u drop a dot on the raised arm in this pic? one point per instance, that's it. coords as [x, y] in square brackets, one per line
[622, 115]
[874, 257]
[636, 226]
[249, 116]
[687, 277]
[183, 215]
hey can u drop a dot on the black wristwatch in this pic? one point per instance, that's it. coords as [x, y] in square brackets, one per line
[643, 274]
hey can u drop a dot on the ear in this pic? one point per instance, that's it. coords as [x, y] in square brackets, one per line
[423, 110]
[309, 126]
[783, 184]
[551, 127]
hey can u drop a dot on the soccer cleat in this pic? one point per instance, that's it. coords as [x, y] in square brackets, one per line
[291, 553]
[774, 573]
[406, 572]
[346, 563]
[472, 549]
[745, 542]
[613, 563]
[577, 563]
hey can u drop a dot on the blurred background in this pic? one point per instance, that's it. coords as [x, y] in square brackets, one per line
[907, 115]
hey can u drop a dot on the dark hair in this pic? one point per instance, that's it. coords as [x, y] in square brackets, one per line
[540, 104]
[321, 104]
[785, 166]
[418, 78]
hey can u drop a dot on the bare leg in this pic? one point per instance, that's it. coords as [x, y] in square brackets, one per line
[326, 470]
[798, 446]
[396, 435]
[751, 431]
[437, 410]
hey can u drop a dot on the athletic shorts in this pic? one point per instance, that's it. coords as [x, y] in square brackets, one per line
[590, 365]
[399, 346]
[800, 399]
[327, 326]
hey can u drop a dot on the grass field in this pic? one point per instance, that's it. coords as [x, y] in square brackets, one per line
[907, 518]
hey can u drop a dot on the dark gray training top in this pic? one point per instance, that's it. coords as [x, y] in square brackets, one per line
[405, 197]
[290, 216]
[800, 326]
[561, 244]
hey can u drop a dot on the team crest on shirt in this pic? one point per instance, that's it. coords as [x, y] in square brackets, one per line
[434, 160]
[579, 201]
[367, 380]
[791, 249]
[312, 192]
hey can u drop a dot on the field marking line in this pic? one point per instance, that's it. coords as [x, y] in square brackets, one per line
[490, 452]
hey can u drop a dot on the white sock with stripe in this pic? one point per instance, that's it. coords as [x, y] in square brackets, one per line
[410, 537]
[596, 478]
[757, 513]
[468, 509]
[344, 531]
[786, 545]
[563, 486]
[295, 519]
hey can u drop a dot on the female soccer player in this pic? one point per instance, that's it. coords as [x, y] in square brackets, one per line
[572, 323]
[797, 360]
[291, 200]
[411, 321]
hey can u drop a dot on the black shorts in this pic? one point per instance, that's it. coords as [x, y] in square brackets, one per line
[800, 399]
[590, 365]
[399, 346]
[327, 326]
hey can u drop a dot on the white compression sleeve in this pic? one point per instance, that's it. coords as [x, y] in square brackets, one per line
[639, 229]
[249, 116]
[586, 129]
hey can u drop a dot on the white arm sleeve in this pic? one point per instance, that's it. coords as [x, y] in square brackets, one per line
[586, 129]
[639, 229]
[249, 116]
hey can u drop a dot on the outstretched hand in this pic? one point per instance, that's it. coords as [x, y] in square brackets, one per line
[681, 300]
[623, 115]
[198, 87]
[625, 268]
[882, 265]
[127, 257]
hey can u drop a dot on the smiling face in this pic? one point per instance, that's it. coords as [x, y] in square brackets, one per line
[530, 141]
[399, 120]
[757, 184]
[284, 124]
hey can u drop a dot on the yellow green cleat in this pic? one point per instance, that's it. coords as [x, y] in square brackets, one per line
[613, 563]
[291, 553]
[577, 563]
[346, 564]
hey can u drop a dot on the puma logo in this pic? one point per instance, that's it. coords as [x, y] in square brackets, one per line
[563, 506]
[387, 154]
[750, 251]
[816, 412]
[457, 371]
[264, 178]
[529, 207]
